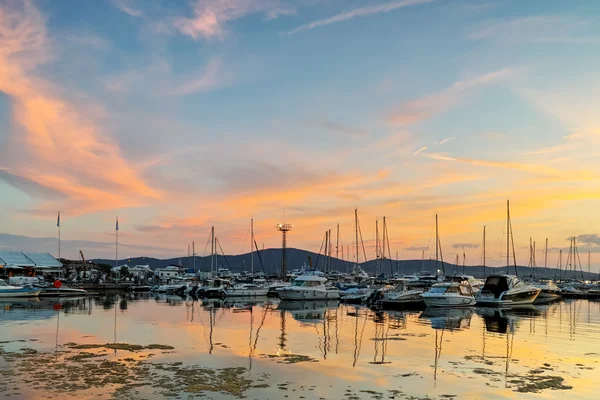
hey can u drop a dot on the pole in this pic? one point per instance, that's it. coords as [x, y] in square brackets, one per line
[484, 261]
[58, 226]
[546, 259]
[252, 247]
[330, 252]
[212, 249]
[437, 242]
[356, 230]
[194, 255]
[507, 234]
[116, 247]
[337, 246]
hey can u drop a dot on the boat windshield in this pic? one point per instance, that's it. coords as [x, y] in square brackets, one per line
[298, 283]
[439, 289]
[2, 283]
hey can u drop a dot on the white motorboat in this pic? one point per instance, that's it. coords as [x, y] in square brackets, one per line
[308, 287]
[548, 291]
[61, 292]
[449, 294]
[7, 290]
[247, 290]
[476, 284]
[401, 297]
[506, 290]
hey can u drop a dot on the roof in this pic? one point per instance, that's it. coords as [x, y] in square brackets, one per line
[35, 260]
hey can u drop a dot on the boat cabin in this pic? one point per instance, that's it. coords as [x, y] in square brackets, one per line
[498, 284]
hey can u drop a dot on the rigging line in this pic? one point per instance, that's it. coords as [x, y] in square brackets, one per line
[512, 240]
[223, 253]
[361, 242]
[319, 254]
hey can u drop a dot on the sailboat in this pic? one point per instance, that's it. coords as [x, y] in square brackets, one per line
[451, 293]
[248, 288]
[505, 289]
[548, 289]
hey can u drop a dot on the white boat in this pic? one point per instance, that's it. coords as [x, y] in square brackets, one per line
[62, 292]
[7, 290]
[308, 287]
[476, 284]
[401, 296]
[449, 294]
[247, 290]
[506, 290]
[548, 291]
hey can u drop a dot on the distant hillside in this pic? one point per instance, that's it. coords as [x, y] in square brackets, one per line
[271, 259]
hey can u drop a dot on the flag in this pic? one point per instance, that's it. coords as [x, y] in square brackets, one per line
[58, 220]
[117, 226]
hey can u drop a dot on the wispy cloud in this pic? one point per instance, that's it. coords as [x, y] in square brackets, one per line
[358, 12]
[447, 140]
[588, 239]
[127, 6]
[211, 16]
[214, 76]
[537, 29]
[416, 248]
[422, 149]
[465, 246]
[58, 147]
[426, 107]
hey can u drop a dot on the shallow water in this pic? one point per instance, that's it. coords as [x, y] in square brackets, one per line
[266, 349]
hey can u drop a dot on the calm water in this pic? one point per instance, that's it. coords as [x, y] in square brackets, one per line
[312, 350]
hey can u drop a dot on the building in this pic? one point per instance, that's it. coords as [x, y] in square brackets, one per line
[170, 272]
[140, 271]
[26, 263]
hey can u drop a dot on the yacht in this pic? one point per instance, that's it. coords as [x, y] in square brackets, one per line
[7, 290]
[308, 287]
[506, 290]
[400, 296]
[247, 290]
[476, 284]
[449, 294]
[548, 291]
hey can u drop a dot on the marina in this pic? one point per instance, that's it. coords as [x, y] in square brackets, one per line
[140, 345]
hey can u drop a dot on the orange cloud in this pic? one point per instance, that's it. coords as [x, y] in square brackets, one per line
[57, 146]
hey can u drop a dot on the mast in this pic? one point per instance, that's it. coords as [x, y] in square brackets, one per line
[252, 247]
[356, 229]
[330, 248]
[531, 255]
[326, 250]
[507, 234]
[589, 263]
[546, 259]
[337, 247]
[194, 255]
[377, 255]
[437, 240]
[464, 261]
[484, 252]
[212, 249]
[534, 262]
[58, 226]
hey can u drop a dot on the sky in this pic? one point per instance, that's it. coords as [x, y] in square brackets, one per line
[177, 116]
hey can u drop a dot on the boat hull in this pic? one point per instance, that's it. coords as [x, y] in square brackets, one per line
[509, 299]
[20, 292]
[247, 292]
[448, 301]
[308, 294]
[63, 292]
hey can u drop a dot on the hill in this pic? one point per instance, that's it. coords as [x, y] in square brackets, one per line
[271, 262]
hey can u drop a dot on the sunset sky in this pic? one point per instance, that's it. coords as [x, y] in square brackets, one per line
[178, 115]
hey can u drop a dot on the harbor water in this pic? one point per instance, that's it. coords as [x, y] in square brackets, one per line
[149, 346]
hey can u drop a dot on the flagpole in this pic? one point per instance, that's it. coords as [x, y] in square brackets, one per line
[116, 247]
[58, 226]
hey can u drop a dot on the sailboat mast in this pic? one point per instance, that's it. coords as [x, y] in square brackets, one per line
[337, 247]
[330, 248]
[212, 250]
[589, 263]
[534, 262]
[252, 247]
[356, 230]
[194, 255]
[437, 240]
[531, 255]
[546, 259]
[484, 251]
[377, 258]
[507, 234]
[464, 261]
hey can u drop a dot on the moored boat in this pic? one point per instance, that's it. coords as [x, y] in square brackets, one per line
[449, 294]
[308, 287]
[506, 290]
[7, 290]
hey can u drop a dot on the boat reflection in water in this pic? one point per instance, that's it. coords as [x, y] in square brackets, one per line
[308, 311]
[448, 318]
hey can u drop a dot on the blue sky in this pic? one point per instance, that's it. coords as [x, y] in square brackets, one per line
[179, 115]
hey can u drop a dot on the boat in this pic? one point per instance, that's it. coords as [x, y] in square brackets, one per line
[476, 284]
[548, 291]
[356, 295]
[274, 285]
[62, 292]
[7, 290]
[247, 290]
[399, 297]
[506, 290]
[449, 294]
[308, 287]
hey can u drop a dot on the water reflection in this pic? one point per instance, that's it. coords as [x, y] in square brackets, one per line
[347, 344]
